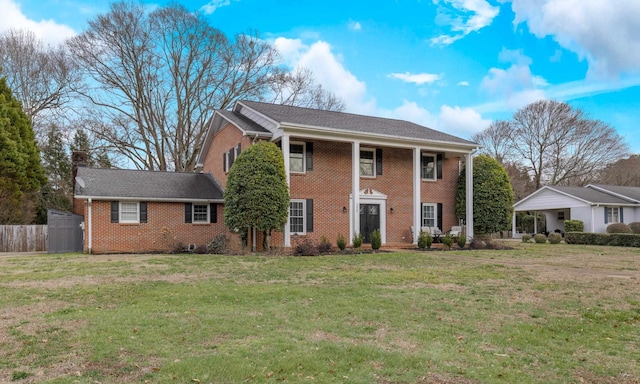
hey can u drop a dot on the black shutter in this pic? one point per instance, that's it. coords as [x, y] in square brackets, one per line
[224, 162]
[309, 156]
[378, 161]
[143, 212]
[621, 216]
[439, 215]
[187, 212]
[238, 150]
[213, 213]
[439, 165]
[309, 215]
[115, 211]
[606, 221]
[232, 158]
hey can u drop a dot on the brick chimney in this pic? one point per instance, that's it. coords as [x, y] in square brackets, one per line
[78, 159]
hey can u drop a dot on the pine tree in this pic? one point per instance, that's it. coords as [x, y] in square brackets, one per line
[21, 173]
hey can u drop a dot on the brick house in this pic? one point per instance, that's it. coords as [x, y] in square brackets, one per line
[347, 174]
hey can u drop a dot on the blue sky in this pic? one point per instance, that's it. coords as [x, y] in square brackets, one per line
[453, 65]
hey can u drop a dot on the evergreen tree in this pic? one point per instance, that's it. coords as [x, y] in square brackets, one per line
[492, 196]
[257, 194]
[96, 157]
[21, 174]
[57, 193]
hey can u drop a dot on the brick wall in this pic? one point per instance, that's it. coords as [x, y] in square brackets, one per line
[227, 138]
[164, 228]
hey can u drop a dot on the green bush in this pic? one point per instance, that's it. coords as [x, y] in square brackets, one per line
[540, 238]
[424, 240]
[635, 227]
[447, 241]
[573, 226]
[461, 241]
[341, 242]
[376, 240]
[618, 228]
[357, 241]
[555, 238]
[526, 238]
[614, 239]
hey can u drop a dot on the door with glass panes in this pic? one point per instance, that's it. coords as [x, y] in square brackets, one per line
[369, 220]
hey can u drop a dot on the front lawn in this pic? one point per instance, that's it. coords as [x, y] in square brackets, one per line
[538, 313]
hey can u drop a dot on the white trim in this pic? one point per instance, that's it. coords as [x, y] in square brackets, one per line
[304, 216]
[142, 198]
[374, 197]
[435, 166]
[417, 178]
[284, 144]
[469, 197]
[354, 226]
[193, 213]
[304, 157]
[123, 221]
[435, 215]
[373, 165]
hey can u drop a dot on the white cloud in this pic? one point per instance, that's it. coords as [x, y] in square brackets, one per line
[463, 17]
[605, 33]
[462, 122]
[463, 83]
[48, 31]
[416, 78]
[329, 71]
[355, 25]
[213, 5]
[516, 85]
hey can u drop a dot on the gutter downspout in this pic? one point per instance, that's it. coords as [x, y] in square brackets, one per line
[89, 227]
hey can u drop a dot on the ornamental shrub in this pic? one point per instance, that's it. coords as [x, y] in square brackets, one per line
[424, 240]
[526, 238]
[325, 245]
[447, 241]
[618, 228]
[573, 226]
[376, 240]
[341, 242]
[540, 238]
[555, 238]
[635, 227]
[461, 241]
[357, 241]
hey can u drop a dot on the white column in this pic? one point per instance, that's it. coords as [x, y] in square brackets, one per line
[89, 228]
[287, 170]
[513, 225]
[469, 197]
[355, 190]
[417, 212]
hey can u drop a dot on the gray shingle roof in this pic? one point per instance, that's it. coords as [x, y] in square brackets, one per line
[242, 122]
[590, 195]
[153, 185]
[350, 122]
[630, 192]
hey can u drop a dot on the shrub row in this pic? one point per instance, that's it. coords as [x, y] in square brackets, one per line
[615, 239]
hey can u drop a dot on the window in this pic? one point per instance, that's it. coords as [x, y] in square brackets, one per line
[296, 216]
[612, 215]
[128, 212]
[560, 215]
[296, 157]
[429, 215]
[200, 213]
[229, 157]
[429, 167]
[367, 163]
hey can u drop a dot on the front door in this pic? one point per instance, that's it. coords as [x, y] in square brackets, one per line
[369, 220]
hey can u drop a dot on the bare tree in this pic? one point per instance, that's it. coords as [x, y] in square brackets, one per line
[298, 87]
[624, 172]
[558, 144]
[496, 140]
[40, 76]
[158, 77]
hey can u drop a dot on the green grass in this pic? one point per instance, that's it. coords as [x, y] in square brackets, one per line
[538, 313]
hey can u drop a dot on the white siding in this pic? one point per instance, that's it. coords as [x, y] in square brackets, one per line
[548, 199]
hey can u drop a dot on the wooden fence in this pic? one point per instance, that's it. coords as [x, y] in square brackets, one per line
[23, 238]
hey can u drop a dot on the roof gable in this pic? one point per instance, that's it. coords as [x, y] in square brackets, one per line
[585, 195]
[628, 193]
[104, 183]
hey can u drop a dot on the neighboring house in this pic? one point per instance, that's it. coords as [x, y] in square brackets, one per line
[146, 211]
[347, 174]
[595, 205]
